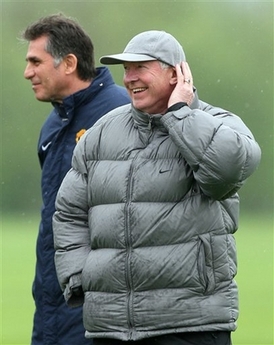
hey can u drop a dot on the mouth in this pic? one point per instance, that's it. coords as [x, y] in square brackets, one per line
[35, 85]
[139, 89]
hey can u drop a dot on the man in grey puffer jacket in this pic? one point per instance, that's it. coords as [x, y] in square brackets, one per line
[145, 218]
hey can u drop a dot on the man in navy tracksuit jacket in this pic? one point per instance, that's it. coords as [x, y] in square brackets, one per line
[62, 73]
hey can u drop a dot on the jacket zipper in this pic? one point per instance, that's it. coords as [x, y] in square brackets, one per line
[128, 254]
[128, 242]
[150, 123]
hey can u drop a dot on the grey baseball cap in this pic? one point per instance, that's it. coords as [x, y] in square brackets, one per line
[149, 46]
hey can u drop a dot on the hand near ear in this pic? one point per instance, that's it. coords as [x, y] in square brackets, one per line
[183, 91]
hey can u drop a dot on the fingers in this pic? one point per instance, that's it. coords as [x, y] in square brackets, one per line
[179, 71]
[186, 73]
[183, 90]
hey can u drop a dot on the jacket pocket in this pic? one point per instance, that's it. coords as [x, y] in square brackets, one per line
[205, 264]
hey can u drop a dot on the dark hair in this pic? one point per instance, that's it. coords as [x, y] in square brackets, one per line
[65, 36]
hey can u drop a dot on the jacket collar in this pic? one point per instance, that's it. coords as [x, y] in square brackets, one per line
[145, 120]
[148, 121]
[102, 79]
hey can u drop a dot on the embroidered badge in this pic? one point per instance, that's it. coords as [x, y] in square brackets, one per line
[79, 134]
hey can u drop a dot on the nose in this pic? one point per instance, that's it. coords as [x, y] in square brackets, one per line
[130, 75]
[29, 72]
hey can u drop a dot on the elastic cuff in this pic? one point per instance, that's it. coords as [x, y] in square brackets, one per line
[176, 106]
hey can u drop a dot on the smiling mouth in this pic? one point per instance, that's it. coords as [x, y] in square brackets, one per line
[139, 89]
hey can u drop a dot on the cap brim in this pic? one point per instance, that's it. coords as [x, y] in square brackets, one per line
[124, 57]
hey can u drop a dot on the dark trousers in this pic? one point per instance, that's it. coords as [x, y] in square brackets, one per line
[190, 338]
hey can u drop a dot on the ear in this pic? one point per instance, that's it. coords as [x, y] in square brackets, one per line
[70, 63]
[173, 78]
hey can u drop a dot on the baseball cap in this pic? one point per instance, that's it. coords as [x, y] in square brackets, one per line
[148, 46]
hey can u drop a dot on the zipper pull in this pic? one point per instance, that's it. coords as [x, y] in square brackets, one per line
[150, 123]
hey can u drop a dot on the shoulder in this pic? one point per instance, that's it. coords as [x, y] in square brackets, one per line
[109, 124]
[116, 93]
[113, 118]
[114, 115]
[105, 82]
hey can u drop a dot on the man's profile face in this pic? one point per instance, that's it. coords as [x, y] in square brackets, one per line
[48, 81]
[149, 85]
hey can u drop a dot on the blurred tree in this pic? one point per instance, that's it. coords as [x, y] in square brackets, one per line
[229, 46]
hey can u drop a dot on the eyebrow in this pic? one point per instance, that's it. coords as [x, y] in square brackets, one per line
[32, 59]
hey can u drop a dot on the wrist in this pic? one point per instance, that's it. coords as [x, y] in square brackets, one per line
[176, 106]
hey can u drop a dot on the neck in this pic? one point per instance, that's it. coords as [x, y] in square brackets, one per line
[75, 86]
[79, 85]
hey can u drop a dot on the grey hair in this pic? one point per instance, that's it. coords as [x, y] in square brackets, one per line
[164, 65]
[65, 36]
[57, 61]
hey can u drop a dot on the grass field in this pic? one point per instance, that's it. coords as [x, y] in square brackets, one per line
[255, 280]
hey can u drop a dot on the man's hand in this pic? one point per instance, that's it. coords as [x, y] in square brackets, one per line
[183, 91]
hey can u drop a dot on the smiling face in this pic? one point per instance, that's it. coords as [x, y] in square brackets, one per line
[149, 85]
[48, 81]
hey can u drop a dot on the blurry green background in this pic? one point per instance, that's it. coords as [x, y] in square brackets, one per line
[229, 46]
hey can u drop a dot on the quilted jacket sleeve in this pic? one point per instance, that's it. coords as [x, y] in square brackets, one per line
[71, 234]
[217, 145]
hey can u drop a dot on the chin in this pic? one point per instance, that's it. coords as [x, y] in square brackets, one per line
[42, 99]
[138, 106]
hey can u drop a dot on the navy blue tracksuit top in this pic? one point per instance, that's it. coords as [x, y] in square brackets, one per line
[54, 322]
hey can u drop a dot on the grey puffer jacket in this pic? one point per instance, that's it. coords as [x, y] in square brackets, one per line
[145, 221]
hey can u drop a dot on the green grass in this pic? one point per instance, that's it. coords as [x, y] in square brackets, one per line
[255, 280]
